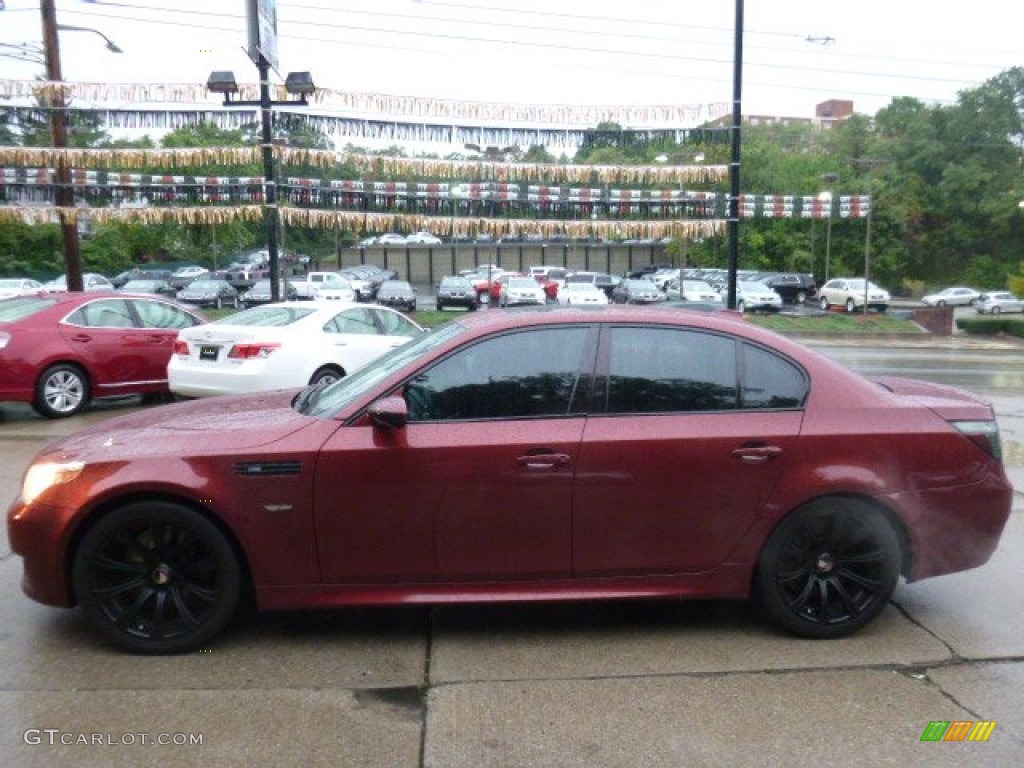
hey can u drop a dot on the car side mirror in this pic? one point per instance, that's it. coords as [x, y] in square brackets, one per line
[391, 412]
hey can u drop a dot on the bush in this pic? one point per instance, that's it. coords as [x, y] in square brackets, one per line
[991, 326]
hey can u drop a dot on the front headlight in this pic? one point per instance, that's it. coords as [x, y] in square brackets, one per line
[43, 476]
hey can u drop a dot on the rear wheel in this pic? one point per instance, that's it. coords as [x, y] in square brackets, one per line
[801, 297]
[62, 390]
[324, 376]
[156, 577]
[824, 303]
[829, 568]
[851, 305]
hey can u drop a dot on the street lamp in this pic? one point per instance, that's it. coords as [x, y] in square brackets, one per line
[111, 45]
[64, 195]
[829, 195]
[298, 84]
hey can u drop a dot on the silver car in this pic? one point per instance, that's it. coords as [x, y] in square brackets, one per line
[997, 302]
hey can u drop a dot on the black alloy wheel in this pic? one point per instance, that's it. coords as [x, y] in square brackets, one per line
[156, 578]
[829, 568]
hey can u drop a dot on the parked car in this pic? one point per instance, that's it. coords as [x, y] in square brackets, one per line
[185, 275]
[398, 294]
[456, 291]
[210, 293]
[818, 487]
[849, 292]
[582, 293]
[423, 238]
[636, 290]
[324, 285]
[18, 286]
[752, 296]
[260, 293]
[91, 281]
[391, 238]
[366, 279]
[692, 290]
[793, 287]
[61, 351]
[284, 345]
[997, 302]
[955, 296]
[602, 280]
[154, 287]
[521, 291]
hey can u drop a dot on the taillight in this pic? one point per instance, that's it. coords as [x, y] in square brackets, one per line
[251, 351]
[984, 434]
[181, 347]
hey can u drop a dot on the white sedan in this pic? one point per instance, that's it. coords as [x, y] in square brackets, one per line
[19, 286]
[284, 345]
[752, 295]
[956, 296]
[581, 293]
[516, 291]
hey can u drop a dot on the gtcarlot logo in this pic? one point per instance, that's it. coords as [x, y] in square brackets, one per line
[958, 730]
[56, 737]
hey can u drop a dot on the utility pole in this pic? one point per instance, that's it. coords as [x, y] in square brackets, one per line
[64, 196]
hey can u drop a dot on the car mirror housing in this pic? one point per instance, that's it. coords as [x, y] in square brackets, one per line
[391, 412]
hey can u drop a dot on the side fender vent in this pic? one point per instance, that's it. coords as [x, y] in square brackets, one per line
[268, 468]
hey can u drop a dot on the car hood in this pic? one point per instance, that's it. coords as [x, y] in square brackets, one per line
[210, 425]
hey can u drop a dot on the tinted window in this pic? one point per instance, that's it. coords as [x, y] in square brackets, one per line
[352, 321]
[770, 381]
[395, 324]
[107, 313]
[516, 375]
[156, 314]
[654, 370]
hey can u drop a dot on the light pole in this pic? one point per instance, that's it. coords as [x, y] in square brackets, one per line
[64, 194]
[296, 83]
[830, 195]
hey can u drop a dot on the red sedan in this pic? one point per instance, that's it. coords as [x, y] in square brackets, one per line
[618, 452]
[58, 351]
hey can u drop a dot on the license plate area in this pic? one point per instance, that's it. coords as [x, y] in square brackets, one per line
[209, 352]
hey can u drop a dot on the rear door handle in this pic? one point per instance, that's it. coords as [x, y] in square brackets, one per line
[755, 454]
[543, 460]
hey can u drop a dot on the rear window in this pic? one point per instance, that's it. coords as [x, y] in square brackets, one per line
[22, 307]
[267, 316]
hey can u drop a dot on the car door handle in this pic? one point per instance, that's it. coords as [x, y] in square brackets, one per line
[543, 460]
[754, 454]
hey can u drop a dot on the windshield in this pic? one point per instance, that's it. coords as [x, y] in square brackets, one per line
[332, 398]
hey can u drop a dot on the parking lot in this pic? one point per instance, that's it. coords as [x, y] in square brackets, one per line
[596, 684]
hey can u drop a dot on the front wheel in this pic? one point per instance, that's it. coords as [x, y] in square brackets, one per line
[801, 297]
[156, 578]
[829, 568]
[823, 304]
[851, 306]
[61, 391]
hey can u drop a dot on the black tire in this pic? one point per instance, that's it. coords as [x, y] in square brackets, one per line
[941, 303]
[219, 303]
[741, 306]
[851, 306]
[156, 578]
[63, 390]
[440, 306]
[823, 304]
[326, 374]
[801, 297]
[829, 568]
[234, 302]
[996, 310]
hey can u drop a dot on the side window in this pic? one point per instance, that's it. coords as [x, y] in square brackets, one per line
[657, 370]
[352, 321]
[156, 314]
[105, 313]
[770, 381]
[516, 375]
[395, 324]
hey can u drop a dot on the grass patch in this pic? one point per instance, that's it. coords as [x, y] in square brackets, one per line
[835, 322]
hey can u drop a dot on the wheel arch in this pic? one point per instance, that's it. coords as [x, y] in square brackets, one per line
[87, 522]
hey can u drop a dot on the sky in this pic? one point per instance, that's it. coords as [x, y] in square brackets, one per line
[796, 53]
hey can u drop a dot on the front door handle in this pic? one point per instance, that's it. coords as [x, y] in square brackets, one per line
[543, 460]
[755, 454]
